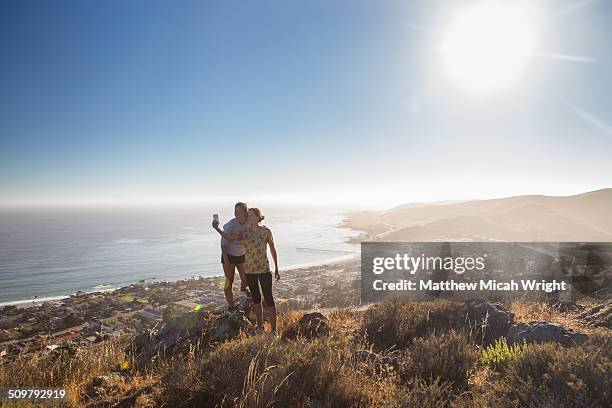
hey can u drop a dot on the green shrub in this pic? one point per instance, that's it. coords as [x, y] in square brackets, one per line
[499, 354]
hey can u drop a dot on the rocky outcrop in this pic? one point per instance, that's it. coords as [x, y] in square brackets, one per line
[491, 319]
[228, 326]
[495, 321]
[598, 316]
[543, 332]
[313, 325]
[180, 330]
[102, 385]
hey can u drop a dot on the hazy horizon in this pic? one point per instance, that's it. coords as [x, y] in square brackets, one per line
[265, 202]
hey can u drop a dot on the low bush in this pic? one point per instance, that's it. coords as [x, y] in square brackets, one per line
[551, 375]
[264, 370]
[395, 324]
[440, 367]
[449, 358]
[423, 394]
[498, 355]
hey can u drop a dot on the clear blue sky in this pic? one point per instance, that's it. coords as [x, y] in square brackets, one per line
[286, 100]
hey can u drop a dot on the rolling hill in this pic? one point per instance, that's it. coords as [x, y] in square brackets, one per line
[582, 217]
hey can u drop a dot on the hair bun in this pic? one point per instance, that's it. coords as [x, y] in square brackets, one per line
[257, 212]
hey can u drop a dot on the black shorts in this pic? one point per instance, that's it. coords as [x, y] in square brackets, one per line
[233, 259]
[255, 280]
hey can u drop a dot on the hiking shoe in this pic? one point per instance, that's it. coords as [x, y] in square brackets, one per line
[246, 292]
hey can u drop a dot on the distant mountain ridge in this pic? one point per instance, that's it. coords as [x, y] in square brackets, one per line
[582, 217]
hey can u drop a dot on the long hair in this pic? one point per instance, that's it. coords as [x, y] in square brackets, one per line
[258, 213]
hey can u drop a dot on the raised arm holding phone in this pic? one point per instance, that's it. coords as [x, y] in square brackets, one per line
[233, 252]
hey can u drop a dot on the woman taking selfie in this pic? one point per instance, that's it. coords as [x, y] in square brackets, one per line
[256, 238]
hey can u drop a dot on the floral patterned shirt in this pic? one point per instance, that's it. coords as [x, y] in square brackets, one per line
[255, 241]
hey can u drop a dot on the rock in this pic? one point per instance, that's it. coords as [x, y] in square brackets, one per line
[598, 316]
[564, 305]
[543, 332]
[313, 325]
[100, 381]
[102, 385]
[492, 318]
[244, 304]
[142, 338]
[228, 326]
[180, 329]
[367, 356]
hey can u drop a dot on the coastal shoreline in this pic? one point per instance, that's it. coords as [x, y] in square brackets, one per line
[130, 309]
[39, 300]
[161, 245]
[367, 224]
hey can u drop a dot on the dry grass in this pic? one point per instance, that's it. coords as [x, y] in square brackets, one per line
[526, 311]
[265, 370]
[449, 357]
[342, 321]
[551, 375]
[65, 369]
[394, 324]
[440, 367]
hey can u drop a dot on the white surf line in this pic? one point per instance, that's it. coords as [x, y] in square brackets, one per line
[338, 260]
[325, 250]
[33, 300]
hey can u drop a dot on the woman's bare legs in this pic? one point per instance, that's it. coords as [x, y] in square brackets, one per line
[228, 270]
[259, 315]
[272, 317]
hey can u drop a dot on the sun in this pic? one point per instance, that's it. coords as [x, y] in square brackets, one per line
[487, 46]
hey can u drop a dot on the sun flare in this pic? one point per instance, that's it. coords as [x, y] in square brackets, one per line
[487, 46]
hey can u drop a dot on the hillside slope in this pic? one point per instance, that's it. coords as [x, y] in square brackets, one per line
[395, 354]
[583, 217]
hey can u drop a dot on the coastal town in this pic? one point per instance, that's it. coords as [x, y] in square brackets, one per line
[85, 318]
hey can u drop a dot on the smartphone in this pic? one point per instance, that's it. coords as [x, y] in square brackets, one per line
[216, 217]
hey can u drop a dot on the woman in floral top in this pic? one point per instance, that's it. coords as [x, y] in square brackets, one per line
[256, 239]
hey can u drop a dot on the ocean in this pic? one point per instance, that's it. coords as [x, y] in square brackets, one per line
[54, 252]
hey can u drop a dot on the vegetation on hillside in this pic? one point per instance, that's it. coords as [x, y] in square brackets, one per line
[442, 362]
